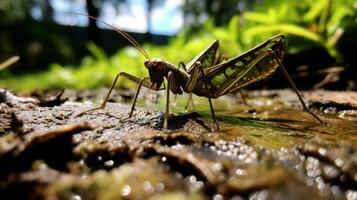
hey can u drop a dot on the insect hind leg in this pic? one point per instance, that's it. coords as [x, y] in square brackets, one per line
[199, 66]
[285, 73]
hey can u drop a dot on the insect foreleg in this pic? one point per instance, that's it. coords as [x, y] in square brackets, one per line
[135, 98]
[306, 109]
[146, 83]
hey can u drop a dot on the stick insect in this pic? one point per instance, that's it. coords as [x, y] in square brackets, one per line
[207, 75]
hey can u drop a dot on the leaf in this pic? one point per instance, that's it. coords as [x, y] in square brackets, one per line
[315, 10]
[258, 17]
[283, 28]
[233, 27]
[96, 51]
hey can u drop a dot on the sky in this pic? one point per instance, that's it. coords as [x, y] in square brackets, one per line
[166, 18]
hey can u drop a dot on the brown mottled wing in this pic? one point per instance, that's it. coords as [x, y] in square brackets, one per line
[206, 57]
[247, 68]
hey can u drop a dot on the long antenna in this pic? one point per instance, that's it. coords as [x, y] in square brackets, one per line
[122, 33]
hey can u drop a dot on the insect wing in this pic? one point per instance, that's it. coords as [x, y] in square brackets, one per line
[206, 57]
[246, 68]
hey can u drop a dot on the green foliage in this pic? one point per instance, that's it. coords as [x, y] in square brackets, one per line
[98, 70]
[320, 21]
[94, 71]
[16, 10]
[302, 19]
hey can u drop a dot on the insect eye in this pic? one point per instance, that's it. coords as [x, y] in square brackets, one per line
[147, 64]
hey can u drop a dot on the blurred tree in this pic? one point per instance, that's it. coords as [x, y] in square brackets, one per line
[148, 17]
[27, 29]
[93, 10]
[197, 12]
[222, 11]
[11, 11]
[47, 10]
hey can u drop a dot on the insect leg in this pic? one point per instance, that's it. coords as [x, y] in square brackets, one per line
[190, 100]
[192, 82]
[135, 98]
[306, 109]
[199, 66]
[243, 97]
[182, 64]
[122, 74]
[166, 116]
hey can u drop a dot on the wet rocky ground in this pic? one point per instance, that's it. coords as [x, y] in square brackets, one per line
[265, 149]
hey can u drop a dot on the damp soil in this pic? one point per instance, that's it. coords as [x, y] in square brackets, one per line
[266, 149]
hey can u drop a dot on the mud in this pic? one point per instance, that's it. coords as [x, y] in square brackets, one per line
[268, 149]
